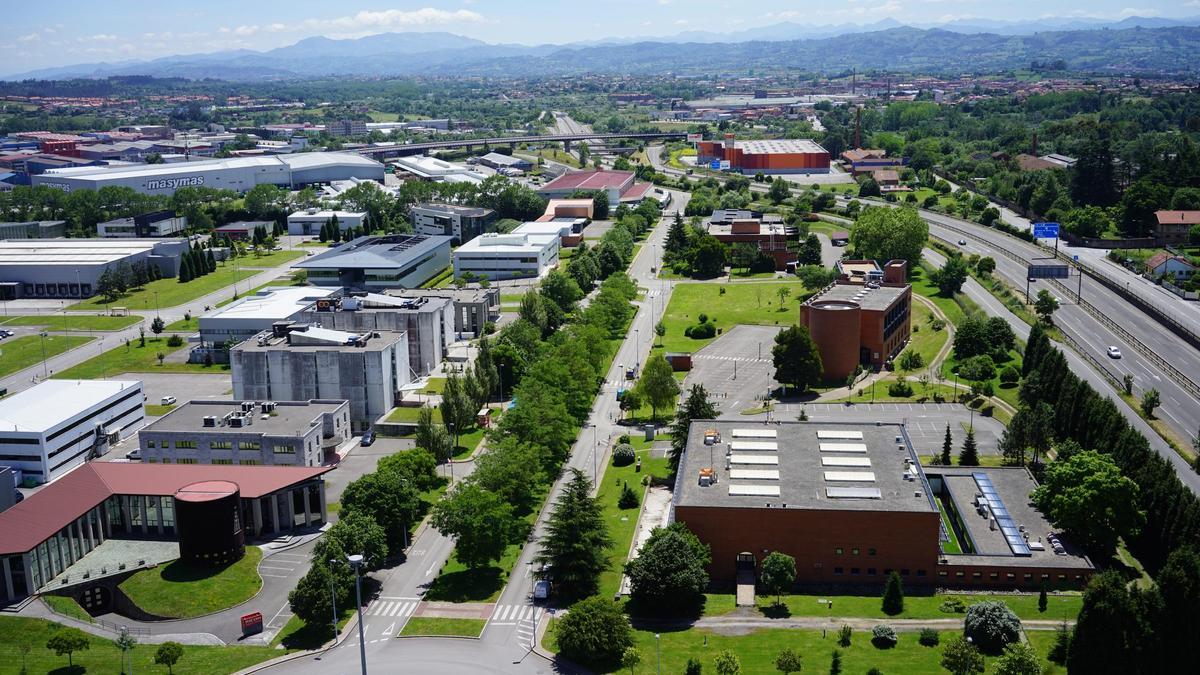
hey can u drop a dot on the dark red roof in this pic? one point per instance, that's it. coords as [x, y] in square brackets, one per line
[592, 179]
[636, 191]
[50, 509]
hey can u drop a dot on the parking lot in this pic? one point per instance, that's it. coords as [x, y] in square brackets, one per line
[736, 368]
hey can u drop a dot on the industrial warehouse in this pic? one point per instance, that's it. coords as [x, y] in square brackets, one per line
[767, 156]
[851, 503]
[238, 173]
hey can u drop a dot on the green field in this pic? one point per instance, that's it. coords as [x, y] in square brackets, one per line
[184, 325]
[925, 340]
[104, 657]
[742, 303]
[272, 259]
[921, 285]
[1060, 606]
[622, 523]
[1006, 393]
[181, 590]
[73, 321]
[170, 291]
[19, 353]
[157, 410]
[133, 358]
[67, 606]
[419, 625]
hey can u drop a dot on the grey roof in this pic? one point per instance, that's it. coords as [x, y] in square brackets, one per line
[396, 250]
[811, 472]
[876, 299]
[459, 209]
[290, 418]
[385, 340]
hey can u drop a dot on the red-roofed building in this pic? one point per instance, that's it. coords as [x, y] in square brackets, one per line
[619, 185]
[55, 527]
[1174, 226]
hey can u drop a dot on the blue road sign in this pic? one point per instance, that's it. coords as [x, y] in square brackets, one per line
[1045, 230]
[715, 164]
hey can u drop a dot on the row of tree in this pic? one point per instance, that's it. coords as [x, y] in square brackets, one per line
[116, 281]
[196, 262]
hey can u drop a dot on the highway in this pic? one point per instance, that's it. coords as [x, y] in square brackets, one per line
[419, 148]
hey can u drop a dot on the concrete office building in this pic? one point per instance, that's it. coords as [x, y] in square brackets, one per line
[507, 256]
[305, 223]
[70, 268]
[427, 321]
[768, 233]
[236, 173]
[156, 224]
[45, 540]
[251, 315]
[877, 312]
[302, 363]
[461, 223]
[851, 504]
[49, 429]
[294, 433]
[34, 229]
[473, 307]
[379, 263]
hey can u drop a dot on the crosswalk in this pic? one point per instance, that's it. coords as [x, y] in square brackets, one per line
[740, 359]
[511, 615]
[392, 607]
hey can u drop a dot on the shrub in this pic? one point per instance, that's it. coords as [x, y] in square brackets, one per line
[977, 368]
[991, 626]
[900, 389]
[883, 636]
[929, 637]
[623, 455]
[594, 633]
[703, 318]
[174, 341]
[844, 636]
[937, 324]
[952, 606]
[628, 498]
[1010, 375]
[489, 327]
[701, 331]
[623, 438]
[911, 360]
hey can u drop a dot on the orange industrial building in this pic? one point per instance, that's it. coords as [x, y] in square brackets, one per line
[851, 503]
[772, 156]
[867, 302]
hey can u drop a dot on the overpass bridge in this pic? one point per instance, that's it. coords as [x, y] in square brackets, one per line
[566, 139]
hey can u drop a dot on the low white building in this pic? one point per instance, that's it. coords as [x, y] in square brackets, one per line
[308, 223]
[47, 430]
[256, 313]
[451, 220]
[156, 224]
[508, 256]
[436, 170]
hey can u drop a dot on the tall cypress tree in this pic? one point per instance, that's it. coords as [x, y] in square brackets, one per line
[576, 543]
[970, 453]
[947, 446]
[185, 268]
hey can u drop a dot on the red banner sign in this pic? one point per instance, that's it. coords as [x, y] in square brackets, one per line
[252, 623]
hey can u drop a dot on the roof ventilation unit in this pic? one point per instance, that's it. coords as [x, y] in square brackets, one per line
[210, 421]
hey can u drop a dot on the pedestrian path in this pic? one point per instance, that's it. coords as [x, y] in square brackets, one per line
[400, 607]
[511, 615]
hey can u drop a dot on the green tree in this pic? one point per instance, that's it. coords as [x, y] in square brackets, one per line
[68, 641]
[788, 661]
[1089, 497]
[961, 657]
[594, 633]
[670, 571]
[660, 330]
[1045, 305]
[481, 522]
[432, 436]
[810, 251]
[1150, 401]
[1018, 659]
[1109, 631]
[814, 276]
[951, 277]
[388, 498]
[778, 574]
[125, 642]
[575, 545]
[706, 256]
[835, 663]
[458, 405]
[779, 191]
[693, 667]
[893, 595]
[969, 456]
[558, 287]
[630, 658]
[106, 286]
[310, 599]
[991, 625]
[796, 358]
[1178, 584]
[784, 292]
[354, 533]
[157, 325]
[1062, 645]
[695, 406]
[890, 234]
[727, 663]
[658, 385]
[168, 654]
[947, 446]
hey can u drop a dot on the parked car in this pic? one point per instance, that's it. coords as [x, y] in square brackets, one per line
[1114, 352]
[135, 453]
[541, 590]
[367, 438]
[168, 400]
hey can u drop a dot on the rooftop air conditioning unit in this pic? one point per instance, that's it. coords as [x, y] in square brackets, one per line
[237, 422]
[210, 421]
[247, 406]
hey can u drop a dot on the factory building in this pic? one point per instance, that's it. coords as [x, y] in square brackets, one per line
[378, 263]
[461, 223]
[873, 305]
[851, 503]
[34, 229]
[236, 173]
[293, 433]
[299, 362]
[427, 319]
[147, 225]
[49, 429]
[45, 540]
[509, 256]
[305, 223]
[71, 268]
[766, 156]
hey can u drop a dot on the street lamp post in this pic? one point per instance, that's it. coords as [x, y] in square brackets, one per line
[658, 651]
[156, 315]
[333, 600]
[45, 371]
[356, 561]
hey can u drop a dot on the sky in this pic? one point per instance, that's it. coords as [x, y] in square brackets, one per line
[63, 32]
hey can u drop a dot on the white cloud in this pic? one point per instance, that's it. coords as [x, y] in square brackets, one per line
[28, 38]
[397, 18]
[681, 22]
[1139, 11]
[781, 16]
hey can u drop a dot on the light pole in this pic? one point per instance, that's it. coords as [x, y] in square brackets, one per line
[156, 315]
[595, 444]
[45, 371]
[637, 349]
[333, 600]
[658, 651]
[356, 561]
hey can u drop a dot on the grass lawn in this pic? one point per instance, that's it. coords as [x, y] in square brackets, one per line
[435, 385]
[181, 590]
[1005, 392]
[184, 325]
[377, 116]
[951, 546]
[74, 321]
[863, 394]
[157, 410]
[104, 657]
[272, 259]
[925, 340]
[135, 359]
[67, 607]
[410, 415]
[1059, 606]
[622, 523]
[419, 625]
[20, 353]
[296, 634]
[919, 278]
[558, 155]
[984, 460]
[170, 291]
[748, 303]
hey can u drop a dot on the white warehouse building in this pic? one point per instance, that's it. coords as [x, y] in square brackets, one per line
[236, 173]
[47, 430]
[508, 256]
[305, 223]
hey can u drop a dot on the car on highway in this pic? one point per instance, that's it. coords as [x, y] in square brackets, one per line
[962, 242]
[1114, 352]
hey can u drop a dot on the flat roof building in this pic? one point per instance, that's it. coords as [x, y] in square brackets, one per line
[34, 229]
[71, 268]
[301, 362]
[146, 225]
[498, 161]
[293, 433]
[620, 186]
[253, 314]
[53, 427]
[243, 230]
[461, 223]
[878, 313]
[426, 319]
[436, 170]
[778, 156]
[473, 307]
[766, 232]
[305, 223]
[508, 256]
[380, 262]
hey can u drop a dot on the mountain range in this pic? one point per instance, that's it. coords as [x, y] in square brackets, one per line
[1134, 44]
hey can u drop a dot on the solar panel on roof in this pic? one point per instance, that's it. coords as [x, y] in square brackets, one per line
[754, 459]
[846, 461]
[753, 445]
[837, 434]
[744, 490]
[844, 447]
[1008, 528]
[753, 433]
[853, 493]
